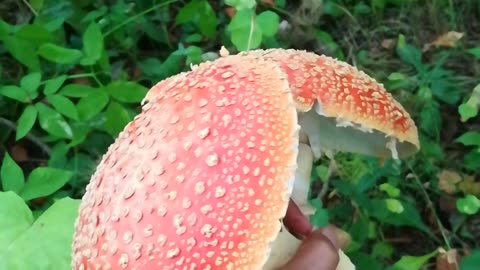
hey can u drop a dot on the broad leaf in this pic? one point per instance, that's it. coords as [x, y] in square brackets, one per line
[12, 175]
[245, 33]
[52, 122]
[469, 138]
[117, 117]
[52, 85]
[129, 92]
[44, 181]
[412, 263]
[268, 21]
[64, 106]
[92, 104]
[59, 55]
[23, 51]
[93, 42]
[77, 90]
[43, 244]
[30, 84]
[14, 92]
[26, 121]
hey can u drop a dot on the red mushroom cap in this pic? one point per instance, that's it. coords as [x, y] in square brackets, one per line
[344, 93]
[200, 179]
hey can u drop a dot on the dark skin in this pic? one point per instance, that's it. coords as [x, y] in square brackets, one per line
[319, 249]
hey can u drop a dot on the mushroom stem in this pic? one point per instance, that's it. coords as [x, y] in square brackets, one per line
[285, 245]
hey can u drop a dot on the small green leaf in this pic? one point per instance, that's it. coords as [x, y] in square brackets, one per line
[469, 138]
[12, 175]
[59, 55]
[245, 33]
[117, 117]
[26, 121]
[14, 92]
[469, 205]
[92, 104]
[77, 90]
[128, 92]
[201, 14]
[52, 85]
[471, 261]
[34, 33]
[412, 263]
[241, 4]
[321, 217]
[64, 106]
[52, 122]
[268, 21]
[390, 190]
[44, 181]
[5, 29]
[30, 83]
[23, 51]
[394, 206]
[382, 250]
[93, 42]
[475, 52]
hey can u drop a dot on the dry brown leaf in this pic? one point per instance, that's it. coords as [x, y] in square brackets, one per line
[19, 153]
[447, 260]
[470, 186]
[388, 43]
[230, 11]
[448, 180]
[447, 40]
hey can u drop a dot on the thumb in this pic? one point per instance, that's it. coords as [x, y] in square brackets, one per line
[319, 251]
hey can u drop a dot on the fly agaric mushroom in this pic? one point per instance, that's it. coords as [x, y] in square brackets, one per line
[201, 178]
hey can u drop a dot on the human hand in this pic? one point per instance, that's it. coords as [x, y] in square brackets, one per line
[319, 249]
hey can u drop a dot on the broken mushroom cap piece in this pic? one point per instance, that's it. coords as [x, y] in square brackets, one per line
[351, 111]
[199, 179]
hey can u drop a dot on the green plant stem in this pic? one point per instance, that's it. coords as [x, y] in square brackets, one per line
[11, 125]
[136, 16]
[82, 75]
[95, 77]
[430, 205]
[34, 12]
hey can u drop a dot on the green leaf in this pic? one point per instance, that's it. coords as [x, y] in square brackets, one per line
[26, 121]
[41, 245]
[93, 42]
[467, 111]
[52, 122]
[245, 33]
[321, 217]
[471, 261]
[408, 217]
[469, 138]
[52, 85]
[12, 175]
[390, 190]
[201, 14]
[5, 29]
[30, 83]
[128, 92]
[469, 205]
[59, 55]
[77, 90]
[382, 250]
[430, 118]
[241, 4]
[412, 263]
[408, 53]
[64, 106]
[23, 51]
[117, 117]
[268, 21]
[394, 206]
[475, 52]
[14, 92]
[44, 181]
[92, 104]
[34, 33]
[15, 219]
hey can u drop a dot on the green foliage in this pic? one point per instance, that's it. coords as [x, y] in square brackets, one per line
[45, 241]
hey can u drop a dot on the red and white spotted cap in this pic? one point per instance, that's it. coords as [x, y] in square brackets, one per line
[200, 179]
